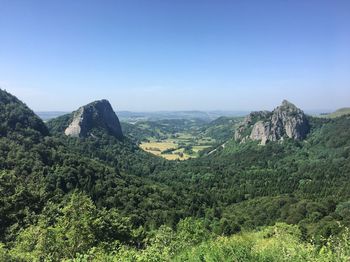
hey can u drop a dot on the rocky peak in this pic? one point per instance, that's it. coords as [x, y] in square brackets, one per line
[256, 116]
[286, 103]
[285, 121]
[98, 115]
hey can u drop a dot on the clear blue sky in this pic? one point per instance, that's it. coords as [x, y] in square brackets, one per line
[176, 55]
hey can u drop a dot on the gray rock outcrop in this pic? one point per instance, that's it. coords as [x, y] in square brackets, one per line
[285, 121]
[98, 115]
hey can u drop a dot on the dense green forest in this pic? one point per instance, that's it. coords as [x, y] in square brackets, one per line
[104, 199]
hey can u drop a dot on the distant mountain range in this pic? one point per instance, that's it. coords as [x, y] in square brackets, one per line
[128, 116]
[46, 115]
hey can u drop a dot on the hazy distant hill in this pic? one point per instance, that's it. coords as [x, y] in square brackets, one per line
[222, 128]
[161, 115]
[340, 112]
[129, 116]
[47, 115]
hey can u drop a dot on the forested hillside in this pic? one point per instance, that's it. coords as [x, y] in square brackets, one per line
[102, 198]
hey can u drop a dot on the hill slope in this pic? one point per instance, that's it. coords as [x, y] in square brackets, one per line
[285, 121]
[338, 113]
[89, 120]
[16, 117]
[39, 171]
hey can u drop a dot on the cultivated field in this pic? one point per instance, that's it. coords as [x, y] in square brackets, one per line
[178, 147]
[180, 139]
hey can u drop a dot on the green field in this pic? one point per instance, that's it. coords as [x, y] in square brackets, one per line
[157, 148]
[177, 147]
[179, 139]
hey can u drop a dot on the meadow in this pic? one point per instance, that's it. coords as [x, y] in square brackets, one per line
[179, 146]
[173, 139]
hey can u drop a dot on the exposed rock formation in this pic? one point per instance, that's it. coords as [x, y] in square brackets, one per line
[286, 121]
[98, 115]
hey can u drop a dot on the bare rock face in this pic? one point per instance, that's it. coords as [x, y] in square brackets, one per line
[98, 115]
[285, 121]
[260, 131]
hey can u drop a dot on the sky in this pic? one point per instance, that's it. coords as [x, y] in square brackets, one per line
[150, 55]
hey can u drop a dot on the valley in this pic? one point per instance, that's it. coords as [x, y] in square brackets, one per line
[179, 146]
[181, 139]
[175, 139]
[100, 189]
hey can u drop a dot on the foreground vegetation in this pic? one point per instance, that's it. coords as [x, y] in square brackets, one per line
[79, 231]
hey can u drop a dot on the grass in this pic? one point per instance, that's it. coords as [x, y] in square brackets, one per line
[157, 148]
[199, 148]
[163, 145]
[177, 143]
[277, 243]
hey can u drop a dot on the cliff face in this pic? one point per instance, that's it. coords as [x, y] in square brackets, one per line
[98, 115]
[286, 121]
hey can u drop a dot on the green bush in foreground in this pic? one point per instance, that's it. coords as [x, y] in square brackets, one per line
[81, 233]
[276, 243]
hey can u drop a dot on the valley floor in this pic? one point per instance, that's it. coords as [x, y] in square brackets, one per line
[178, 147]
